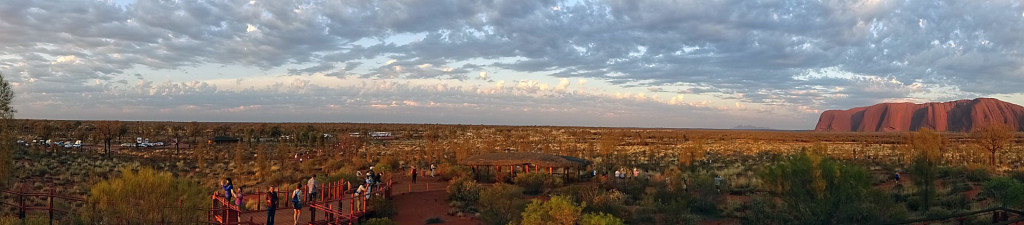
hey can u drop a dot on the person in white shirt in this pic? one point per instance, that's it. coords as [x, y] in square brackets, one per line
[311, 187]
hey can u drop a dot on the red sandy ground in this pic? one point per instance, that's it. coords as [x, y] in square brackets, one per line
[418, 206]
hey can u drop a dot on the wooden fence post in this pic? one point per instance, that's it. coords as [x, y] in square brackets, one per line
[50, 197]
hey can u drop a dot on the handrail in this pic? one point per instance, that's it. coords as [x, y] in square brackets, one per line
[963, 214]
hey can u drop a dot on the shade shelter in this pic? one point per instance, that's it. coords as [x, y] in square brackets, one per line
[516, 162]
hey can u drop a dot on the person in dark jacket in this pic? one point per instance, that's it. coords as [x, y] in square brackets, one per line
[271, 204]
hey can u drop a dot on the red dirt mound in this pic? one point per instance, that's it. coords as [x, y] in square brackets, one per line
[960, 115]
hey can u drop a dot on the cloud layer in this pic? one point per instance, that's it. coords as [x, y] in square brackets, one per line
[789, 58]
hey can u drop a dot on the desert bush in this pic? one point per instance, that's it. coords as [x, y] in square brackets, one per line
[955, 201]
[334, 165]
[937, 212]
[977, 175]
[381, 207]
[705, 196]
[452, 172]
[383, 167]
[600, 219]
[501, 204]
[9, 220]
[579, 192]
[532, 183]
[1007, 191]
[1016, 174]
[434, 220]
[674, 205]
[141, 196]
[380, 221]
[464, 190]
[612, 201]
[950, 171]
[818, 190]
[558, 210]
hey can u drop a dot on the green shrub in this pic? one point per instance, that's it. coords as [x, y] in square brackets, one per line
[9, 220]
[813, 189]
[464, 190]
[501, 204]
[379, 221]
[579, 192]
[1016, 174]
[556, 211]
[434, 220]
[600, 219]
[141, 196]
[955, 201]
[381, 207]
[383, 167]
[612, 201]
[532, 183]
[451, 172]
[978, 175]
[1007, 191]
[536, 183]
[705, 195]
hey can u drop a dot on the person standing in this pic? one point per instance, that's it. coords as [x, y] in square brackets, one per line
[311, 187]
[414, 174]
[297, 203]
[228, 188]
[432, 168]
[271, 204]
[239, 202]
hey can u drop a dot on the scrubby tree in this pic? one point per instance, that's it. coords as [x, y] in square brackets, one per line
[239, 158]
[1007, 191]
[146, 197]
[7, 147]
[927, 146]
[177, 132]
[194, 129]
[43, 129]
[501, 204]
[600, 219]
[813, 189]
[107, 131]
[559, 210]
[993, 139]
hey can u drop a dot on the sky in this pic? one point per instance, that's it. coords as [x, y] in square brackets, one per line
[620, 63]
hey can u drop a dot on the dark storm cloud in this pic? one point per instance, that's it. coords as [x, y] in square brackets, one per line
[756, 51]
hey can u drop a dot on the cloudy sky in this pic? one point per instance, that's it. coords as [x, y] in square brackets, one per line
[656, 63]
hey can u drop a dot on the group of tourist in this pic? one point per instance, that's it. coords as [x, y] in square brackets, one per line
[372, 180]
[297, 198]
[624, 173]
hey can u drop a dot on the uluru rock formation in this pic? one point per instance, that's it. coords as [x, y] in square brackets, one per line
[960, 115]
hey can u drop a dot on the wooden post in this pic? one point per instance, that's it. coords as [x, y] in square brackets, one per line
[511, 172]
[21, 203]
[259, 199]
[50, 197]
